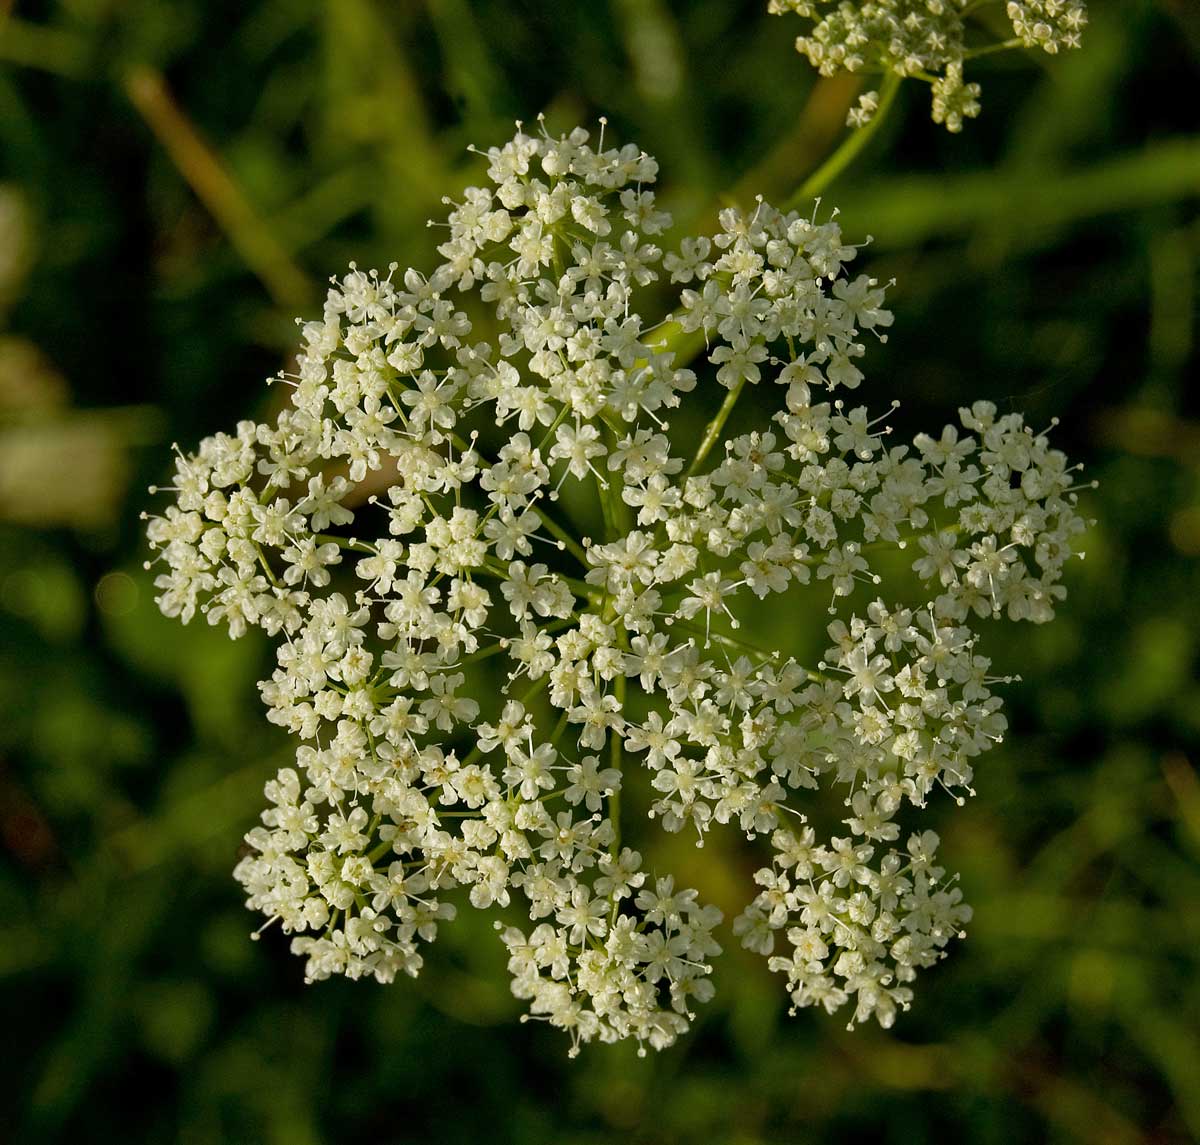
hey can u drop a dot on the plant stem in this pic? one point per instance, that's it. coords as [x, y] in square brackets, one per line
[606, 510]
[713, 430]
[262, 560]
[342, 542]
[990, 49]
[560, 534]
[738, 644]
[248, 233]
[850, 147]
[618, 511]
[615, 749]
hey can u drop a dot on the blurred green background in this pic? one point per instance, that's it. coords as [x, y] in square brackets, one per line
[178, 177]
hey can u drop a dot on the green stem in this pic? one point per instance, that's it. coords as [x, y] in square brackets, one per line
[559, 728]
[615, 750]
[850, 147]
[618, 512]
[560, 534]
[262, 560]
[342, 542]
[738, 644]
[990, 49]
[713, 431]
[672, 338]
[606, 510]
[562, 416]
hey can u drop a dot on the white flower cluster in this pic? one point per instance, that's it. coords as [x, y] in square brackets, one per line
[923, 39]
[397, 529]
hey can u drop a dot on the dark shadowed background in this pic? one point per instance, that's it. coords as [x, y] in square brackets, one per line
[178, 178]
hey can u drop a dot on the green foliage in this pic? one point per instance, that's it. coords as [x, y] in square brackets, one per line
[176, 180]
